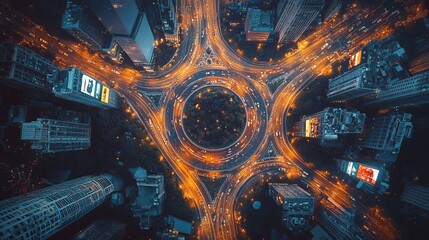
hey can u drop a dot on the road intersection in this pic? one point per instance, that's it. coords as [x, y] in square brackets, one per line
[242, 164]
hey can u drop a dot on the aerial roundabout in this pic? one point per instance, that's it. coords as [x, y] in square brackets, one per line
[223, 134]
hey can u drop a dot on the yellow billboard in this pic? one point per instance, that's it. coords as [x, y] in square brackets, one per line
[105, 94]
[307, 128]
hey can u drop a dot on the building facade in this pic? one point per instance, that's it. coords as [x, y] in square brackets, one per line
[298, 205]
[49, 135]
[408, 92]
[44, 212]
[139, 45]
[386, 133]
[336, 220]
[294, 17]
[21, 67]
[357, 82]
[417, 195]
[74, 85]
[102, 230]
[259, 25]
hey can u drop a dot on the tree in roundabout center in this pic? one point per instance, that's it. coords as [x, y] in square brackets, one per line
[214, 117]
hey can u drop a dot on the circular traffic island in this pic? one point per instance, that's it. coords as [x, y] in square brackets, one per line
[214, 117]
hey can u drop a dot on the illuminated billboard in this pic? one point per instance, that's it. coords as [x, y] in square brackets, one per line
[98, 90]
[367, 174]
[279, 199]
[355, 59]
[105, 94]
[88, 85]
[352, 168]
[307, 128]
[311, 127]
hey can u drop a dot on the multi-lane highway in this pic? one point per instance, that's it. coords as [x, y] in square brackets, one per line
[266, 112]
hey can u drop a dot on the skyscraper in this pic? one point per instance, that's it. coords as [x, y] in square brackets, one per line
[49, 135]
[386, 133]
[169, 19]
[331, 9]
[357, 82]
[139, 46]
[338, 221]
[42, 213]
[79, 21]
[417, 195]
[259, 25]
[130, 28]
[297, 204]
[74, 85]
[20, 67]
[410, 91]
[118, 16]
[370, 69]
[329, 123]
[294, 17]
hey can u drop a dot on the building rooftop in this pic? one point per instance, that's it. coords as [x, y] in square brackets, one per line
[150, 196]
[386, 134]
[416, 194]
[260, 21]
[331, 122]
[179, 225]
[293, 198]
[102, 229]
[290, 190]
[319, 233]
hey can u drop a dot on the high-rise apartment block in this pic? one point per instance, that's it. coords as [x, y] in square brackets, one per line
[410, 91]
[81, 22]
[259, 25]
[129, 26]
[42, 213]
[74, 85]
[357, 82]
[330, 123]
[338, 221]
[49, 135]
[294, 17]
[298, 205]
[369, 71]
[417, 195]
[169, 19]
[386, 133]
[20, 67]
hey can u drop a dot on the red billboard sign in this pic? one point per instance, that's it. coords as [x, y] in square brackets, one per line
[367, 174]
